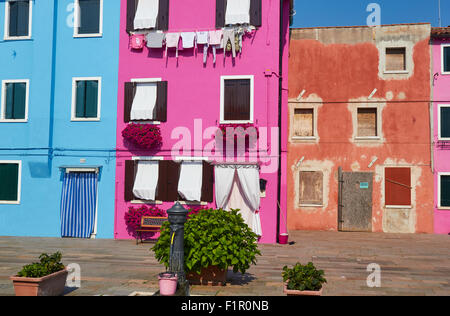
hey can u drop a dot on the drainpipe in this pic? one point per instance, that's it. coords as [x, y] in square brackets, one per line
[433, 79]
[280, 104]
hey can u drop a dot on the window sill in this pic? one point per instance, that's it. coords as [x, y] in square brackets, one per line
[444, 139]
[193, 203]
[445, 73]
[236, 122]
[443, 208]
[367, 138]
[396, 72]
[97, 35]
[304, 138]
[10, 202]
[17, 38]
[85, 120]
[14, 121]
[146, 202]
[311, 205]
[146, 122]
[398, 206]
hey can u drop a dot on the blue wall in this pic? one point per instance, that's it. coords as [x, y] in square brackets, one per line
[50, 139]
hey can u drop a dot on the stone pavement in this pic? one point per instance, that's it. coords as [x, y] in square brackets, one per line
[410, 264]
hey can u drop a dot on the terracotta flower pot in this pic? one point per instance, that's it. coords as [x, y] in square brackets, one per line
[49, 285]
[212, 275]
[301, 293]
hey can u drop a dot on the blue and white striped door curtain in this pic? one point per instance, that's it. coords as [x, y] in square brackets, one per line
[78, 204]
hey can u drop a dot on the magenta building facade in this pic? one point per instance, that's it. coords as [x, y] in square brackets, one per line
[441, 105]
[171, 87]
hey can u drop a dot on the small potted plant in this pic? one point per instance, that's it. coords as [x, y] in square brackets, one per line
[303, 280]
[44, 278]
[214, 240]
[167, 283]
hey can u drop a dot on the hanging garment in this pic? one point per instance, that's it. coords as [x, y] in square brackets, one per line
[146, 14]
[188, 39]
[229, 36]
[137, 41]
[155, 39]
[146, 180]
[144, 102]
[215, 41]
[203, 39]
[78, 204]
[238, 12]
[191, 180]
[224, 177]
[172, 40]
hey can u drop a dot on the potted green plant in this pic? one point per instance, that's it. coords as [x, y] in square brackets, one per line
[214, 240]
[44, 278]
[303, 280]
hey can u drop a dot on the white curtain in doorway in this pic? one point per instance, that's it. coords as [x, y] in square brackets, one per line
[224, 181]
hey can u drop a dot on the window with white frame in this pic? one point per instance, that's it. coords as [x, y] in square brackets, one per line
[237, 99]
[10, 178]
[444, 121]
[444, 190]
[446, 59]
[18, 17]
[14, 101]
[86, 99]
[88, 18]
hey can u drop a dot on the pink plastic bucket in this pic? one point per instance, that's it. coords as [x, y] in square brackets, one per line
[167, 284]
[283, 239]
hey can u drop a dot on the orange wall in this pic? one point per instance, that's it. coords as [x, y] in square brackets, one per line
[343, 72]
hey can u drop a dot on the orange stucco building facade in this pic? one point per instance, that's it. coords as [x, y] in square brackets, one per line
[359, 101]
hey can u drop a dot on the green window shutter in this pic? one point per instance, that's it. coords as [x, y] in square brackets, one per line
[23, 18]
[9, 180]
[445, 191]
[80, 99]
[445, 122]
[446, 59]
[9, 109]
[20, 95]
[89, 17]
[13, 16]
[91, 106]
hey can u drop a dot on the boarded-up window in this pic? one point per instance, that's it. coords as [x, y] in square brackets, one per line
[446, 59]
[398, 186]
[367, 122]
[311, 188]
[303, 122]
[445, 191]
[237, 100]
[396, 59]
[445, 121]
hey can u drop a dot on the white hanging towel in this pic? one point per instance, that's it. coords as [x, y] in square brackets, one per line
[146, 180]
[238, 12]
[146, 14]
[191, 180]
[188, 39]
[144, 101]
[223, 182]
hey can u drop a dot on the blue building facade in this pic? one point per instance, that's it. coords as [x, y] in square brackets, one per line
[59, 78]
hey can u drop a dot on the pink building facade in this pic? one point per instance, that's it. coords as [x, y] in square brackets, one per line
[441, 130]
[190, 98]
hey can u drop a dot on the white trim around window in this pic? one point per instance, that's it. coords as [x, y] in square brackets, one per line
[30, 23]
[222, 98]
[19, 181]
[440, 174]
[76, 18]
[443, 46]
[3, 100]
[74, 93]
[439, 122]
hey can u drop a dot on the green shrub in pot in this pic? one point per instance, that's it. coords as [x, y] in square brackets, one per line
[47, 265]
[303, 277]
[212, 238]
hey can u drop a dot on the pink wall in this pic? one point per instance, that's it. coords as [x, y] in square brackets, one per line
[194, 91]
[441, 92]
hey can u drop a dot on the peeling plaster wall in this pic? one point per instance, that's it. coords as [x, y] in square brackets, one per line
[339, 68]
